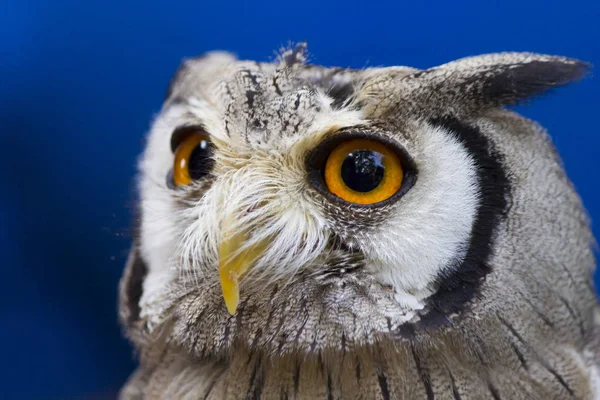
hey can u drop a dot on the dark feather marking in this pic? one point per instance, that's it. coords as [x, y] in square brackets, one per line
[281, 112]
[212, 385]
[250, 96]
[297, 126]
[227, 123]
[406, 330]
[341, 94]
[259, 332]
[253, 77]
[229, 93]
[276, 86]
[249, 360]
[273, 293]
[230, 106]
[540, 359]
[423, 374]
[280, 324]
[238, 317]
[340, 91]
[520, 356]
[256, 381]
[321, 364]
[558, 377]
[282, 342]
[297, 377]
[357, 371]
[571, 278]
[383, 385]
[314, 343]
[226, 333]
[329, 387]
[575, 316]
[540, 314]
[257, 337]
[513, 331]
[454, 388]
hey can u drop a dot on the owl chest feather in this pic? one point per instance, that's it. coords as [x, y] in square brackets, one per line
[446, 366]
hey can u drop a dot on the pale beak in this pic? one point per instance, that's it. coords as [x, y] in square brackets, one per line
[234, 263]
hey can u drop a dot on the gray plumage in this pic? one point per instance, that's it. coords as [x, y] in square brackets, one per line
[476, 283]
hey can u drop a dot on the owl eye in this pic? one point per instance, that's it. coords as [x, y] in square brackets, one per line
[366, 169]
[363, 171]
[193, 158]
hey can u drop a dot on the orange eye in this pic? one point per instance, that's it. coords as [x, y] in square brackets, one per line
[193, 158]
[363, 171]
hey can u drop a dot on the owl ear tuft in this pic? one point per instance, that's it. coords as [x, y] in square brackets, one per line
[501, 79]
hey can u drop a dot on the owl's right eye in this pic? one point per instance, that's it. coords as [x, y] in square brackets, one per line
[193, 157]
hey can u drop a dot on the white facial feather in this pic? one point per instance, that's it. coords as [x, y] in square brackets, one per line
[260, 191]
[160, 226]
[431, 223]
[263, 192]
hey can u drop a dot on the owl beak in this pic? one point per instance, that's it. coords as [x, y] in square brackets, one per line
[233, 264]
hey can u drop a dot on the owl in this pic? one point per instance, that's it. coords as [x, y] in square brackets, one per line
[307, 232]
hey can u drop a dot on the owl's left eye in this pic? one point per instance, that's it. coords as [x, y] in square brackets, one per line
[361, 169]
[193, 158]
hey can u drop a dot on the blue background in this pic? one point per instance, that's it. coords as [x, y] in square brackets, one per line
[79, 83]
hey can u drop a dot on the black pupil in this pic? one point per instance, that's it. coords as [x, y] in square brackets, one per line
[362, 170]
[201, 161]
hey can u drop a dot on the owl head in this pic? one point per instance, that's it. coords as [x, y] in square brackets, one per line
[294, 208]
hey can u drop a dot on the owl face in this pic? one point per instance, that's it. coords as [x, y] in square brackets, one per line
[355, 203]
